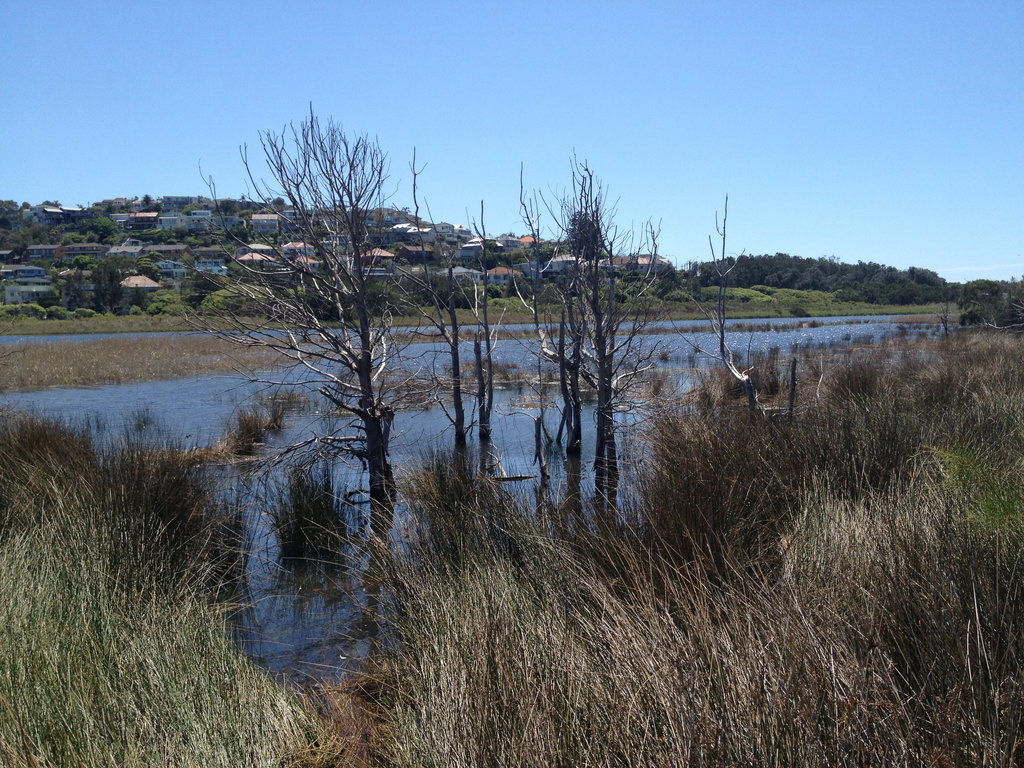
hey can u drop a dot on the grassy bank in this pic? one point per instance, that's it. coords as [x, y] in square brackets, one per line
[117, 360]
[841, 589]
[113, 652]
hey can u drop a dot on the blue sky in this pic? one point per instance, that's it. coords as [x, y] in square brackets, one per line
[876, 131]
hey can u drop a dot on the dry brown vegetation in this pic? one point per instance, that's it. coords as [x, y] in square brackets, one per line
[120, 359]
[842, 588]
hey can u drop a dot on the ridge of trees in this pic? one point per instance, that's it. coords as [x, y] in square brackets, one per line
[865, 281]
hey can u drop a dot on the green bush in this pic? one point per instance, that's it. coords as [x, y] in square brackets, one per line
[165, 302]
[13, 311]
[57, 312]
[84, 313]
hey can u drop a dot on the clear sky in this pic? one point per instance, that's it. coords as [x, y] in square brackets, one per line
[876, 131]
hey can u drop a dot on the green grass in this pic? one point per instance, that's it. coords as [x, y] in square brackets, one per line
[114, 651]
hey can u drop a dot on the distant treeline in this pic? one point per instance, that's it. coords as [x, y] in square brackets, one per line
[864, 281]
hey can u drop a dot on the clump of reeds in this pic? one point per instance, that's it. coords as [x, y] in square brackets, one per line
[113, 651]
[251, 424]
[312, 517]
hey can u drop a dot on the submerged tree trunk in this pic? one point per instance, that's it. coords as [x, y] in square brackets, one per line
[484, 427]
[458, 408]
[377, 427]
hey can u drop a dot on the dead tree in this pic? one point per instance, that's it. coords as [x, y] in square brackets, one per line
[602, 325]
[320, 312]
[530, 213]
[716, 313]
[483, 342]
[443, 292]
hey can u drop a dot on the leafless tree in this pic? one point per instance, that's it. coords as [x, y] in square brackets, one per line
[443, 291]
[530, 212]
[716, 313]
[600, 338]
[322, 313]
[483, 342]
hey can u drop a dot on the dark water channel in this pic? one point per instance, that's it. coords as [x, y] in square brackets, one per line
[312, 622]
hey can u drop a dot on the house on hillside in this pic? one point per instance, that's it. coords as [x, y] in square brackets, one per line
[92, 250]
[172, 251]
[130, 248]
[379, 258]
[294, 250]
[414, 254]
[25, 283]
[174, 271]
[265, 223]
[143, 220]
[34, 252]
[141, 283]
[502, 275]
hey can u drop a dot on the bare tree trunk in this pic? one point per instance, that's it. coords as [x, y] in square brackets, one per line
[485, 363]
[382, 479]
[443, 304]
[484, 427]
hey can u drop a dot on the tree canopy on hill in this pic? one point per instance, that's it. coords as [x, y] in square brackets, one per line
[864, 281]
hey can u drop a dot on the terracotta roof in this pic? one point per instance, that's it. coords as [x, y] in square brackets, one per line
[139, 281]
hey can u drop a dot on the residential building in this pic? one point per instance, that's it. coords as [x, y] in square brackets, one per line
[263, 248]
[174, 271]
[93, 250]
[501, 275]
[26, 283]
[294, 250]
[265, 223]
[140, 282]
[173, 251]
[143, 220]
[170, 221]
[132, 248]
[199, 221]
[177, 203]
[34, 252]
[212, 264]
[414, 254]
[378, 257]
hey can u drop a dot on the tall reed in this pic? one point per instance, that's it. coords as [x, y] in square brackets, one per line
[841, 589]
[113, 652]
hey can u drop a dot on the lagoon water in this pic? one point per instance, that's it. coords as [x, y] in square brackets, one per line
[311, 623]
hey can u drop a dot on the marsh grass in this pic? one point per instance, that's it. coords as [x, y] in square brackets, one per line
[113, 652]
[841, 589]
[91, 362]
[248, 430]
[312, 519]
